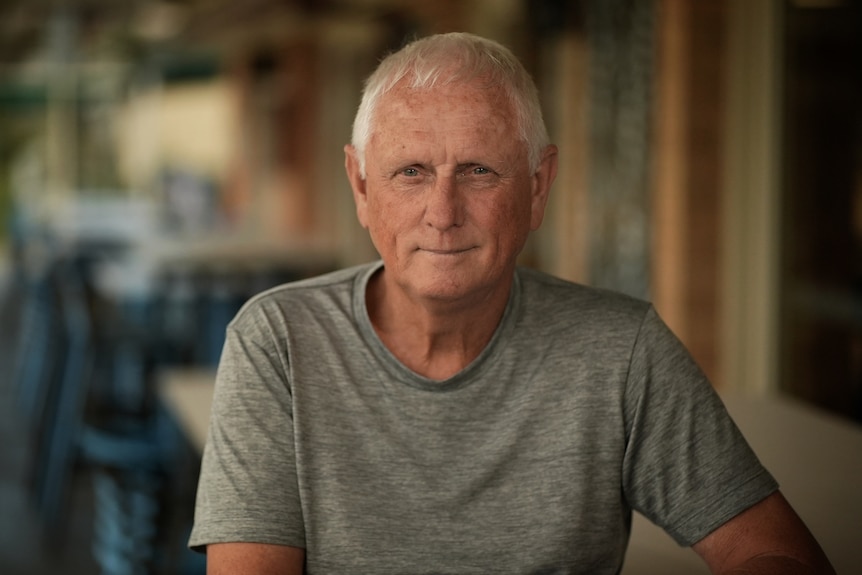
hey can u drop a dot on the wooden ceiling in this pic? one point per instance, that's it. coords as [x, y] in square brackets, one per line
[30, 28]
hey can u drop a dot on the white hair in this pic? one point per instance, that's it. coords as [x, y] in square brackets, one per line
[449, 58]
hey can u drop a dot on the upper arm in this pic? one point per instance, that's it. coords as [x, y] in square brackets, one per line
[254, 559]
[768, 529]
[247, 487]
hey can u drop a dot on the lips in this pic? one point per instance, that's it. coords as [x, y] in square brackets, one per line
[445, 251]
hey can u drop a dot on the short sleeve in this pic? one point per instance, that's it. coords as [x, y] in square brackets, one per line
[247, 490]
[687, 467]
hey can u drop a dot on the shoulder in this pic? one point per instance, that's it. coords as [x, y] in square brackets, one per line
[301, 300]
[561, 304]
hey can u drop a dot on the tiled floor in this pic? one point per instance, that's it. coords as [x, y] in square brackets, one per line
[23, 549]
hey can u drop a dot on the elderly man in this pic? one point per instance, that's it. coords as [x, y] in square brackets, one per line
[445, 411]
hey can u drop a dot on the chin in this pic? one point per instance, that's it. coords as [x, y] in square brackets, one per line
[446, 287]
[445, 279]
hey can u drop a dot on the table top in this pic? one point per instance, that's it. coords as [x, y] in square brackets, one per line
[188, 395]
[816, 458]
[814, 455]
[137, 271]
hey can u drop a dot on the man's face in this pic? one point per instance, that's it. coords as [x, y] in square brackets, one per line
[448, 197]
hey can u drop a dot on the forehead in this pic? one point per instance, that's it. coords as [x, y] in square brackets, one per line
[476, 95]
[472, 111]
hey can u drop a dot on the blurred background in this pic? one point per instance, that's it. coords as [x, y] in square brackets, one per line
[162, 160]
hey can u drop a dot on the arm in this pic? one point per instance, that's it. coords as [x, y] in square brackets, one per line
[254, 559]
[247, 489]
[768, 538]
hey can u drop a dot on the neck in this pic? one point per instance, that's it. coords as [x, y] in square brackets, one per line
[435, 339]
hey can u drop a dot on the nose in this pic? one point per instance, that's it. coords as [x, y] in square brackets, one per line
[443, 204]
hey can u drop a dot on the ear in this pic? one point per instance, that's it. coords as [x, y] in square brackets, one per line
[541, 183]
[357, 183]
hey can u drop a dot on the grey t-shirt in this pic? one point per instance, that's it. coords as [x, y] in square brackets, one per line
[582, 407]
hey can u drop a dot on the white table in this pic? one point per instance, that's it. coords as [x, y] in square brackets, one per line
[188, 395]
[815, 456]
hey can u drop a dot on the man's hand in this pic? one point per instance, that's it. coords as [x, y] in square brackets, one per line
[768, 538]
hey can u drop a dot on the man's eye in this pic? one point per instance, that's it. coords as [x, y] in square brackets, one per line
[410, 172]
[474, 170]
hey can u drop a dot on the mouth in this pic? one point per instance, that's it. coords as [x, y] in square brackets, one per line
[446, 252]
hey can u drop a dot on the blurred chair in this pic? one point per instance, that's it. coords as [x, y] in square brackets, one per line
[119, 442]
[222, 293]
[180, 314]
[39, 350]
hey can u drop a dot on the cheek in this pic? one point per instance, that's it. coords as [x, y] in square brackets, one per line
[384, 220]
[515, 215]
